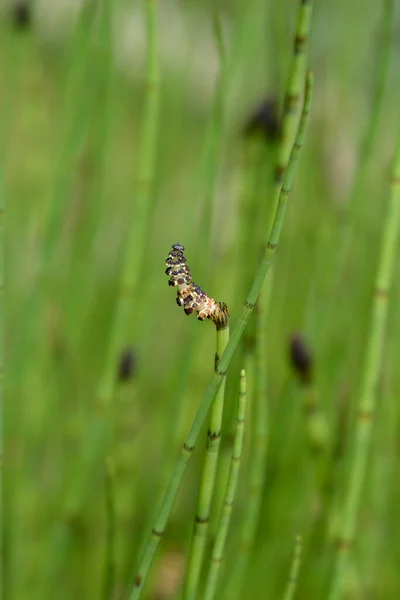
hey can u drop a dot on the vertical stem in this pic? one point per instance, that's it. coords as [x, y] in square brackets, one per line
[2, 250]
[294, 569]
[258, 450]
[72, 119]
[372, 130]
[346, 229]
[109, 581]
[369, 382]
[98, 432]
[209, 395]
[230, 492]
[100, 92]
[292, 99]
[202, 518]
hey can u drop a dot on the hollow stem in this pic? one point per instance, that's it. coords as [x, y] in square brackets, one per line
[258, 450]
[294, 569]
[207, 486]
[369, 383]
[209, 395]
[230, 492]
[98, 433]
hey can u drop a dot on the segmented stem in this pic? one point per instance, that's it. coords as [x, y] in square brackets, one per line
[109, 580]
[98, 433]
[207, 485]
[369, 382]
[191, 439]
[258, 452]
[226, 511]
[292, 99]
[294, 569]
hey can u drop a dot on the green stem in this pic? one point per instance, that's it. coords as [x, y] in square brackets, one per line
[349, 217]
[202, 518]
[317, 426]
[258, 452]
[98, 433]
[369, 382]
[292, 97]
[372, 130]
[226, 512]
[294, 569]
[110, 531]
[72, 118]
[191, 439]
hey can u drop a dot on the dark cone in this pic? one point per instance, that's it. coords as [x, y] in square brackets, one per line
[301, 358]
[21, 15]
[264, 120]
[127, 365]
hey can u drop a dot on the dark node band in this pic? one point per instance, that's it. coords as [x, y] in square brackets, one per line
[291, 102]
[213, 435]
[201, 521]
[365, 415]
[343, 544]
[279, 173]
[299, 43]
[381, 293]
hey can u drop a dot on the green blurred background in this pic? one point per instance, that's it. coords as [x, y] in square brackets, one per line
[70, 134]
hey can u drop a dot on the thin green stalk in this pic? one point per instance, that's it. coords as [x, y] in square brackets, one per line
[98, 432]
[293, 92]
[109, 581]
[316, 423]
[191, 439]
[258, 452]
[202, 518]
[2, 249]
[72, 119]
[369, 382]
[372, 130]
[100, 83]
[346, 229]
[208, 174]
[73, 124]
[294, 569]
[212, 148]
[230, 492]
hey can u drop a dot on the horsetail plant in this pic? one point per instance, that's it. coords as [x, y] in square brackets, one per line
[346, 230]
[220, 373]
[317, 426]
[372, 129]
[194, 300]
[72, 118]
[2, 249]
[369, 382]
[109, 579]
[100, 81]
[258, 451]
[208, 172]
[292, 97]
[230, 492]
[99, 431]
[294, 569]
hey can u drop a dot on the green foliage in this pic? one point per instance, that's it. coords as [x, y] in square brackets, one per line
[121, 133]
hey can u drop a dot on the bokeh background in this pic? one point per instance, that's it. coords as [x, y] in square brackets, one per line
[73, 87]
